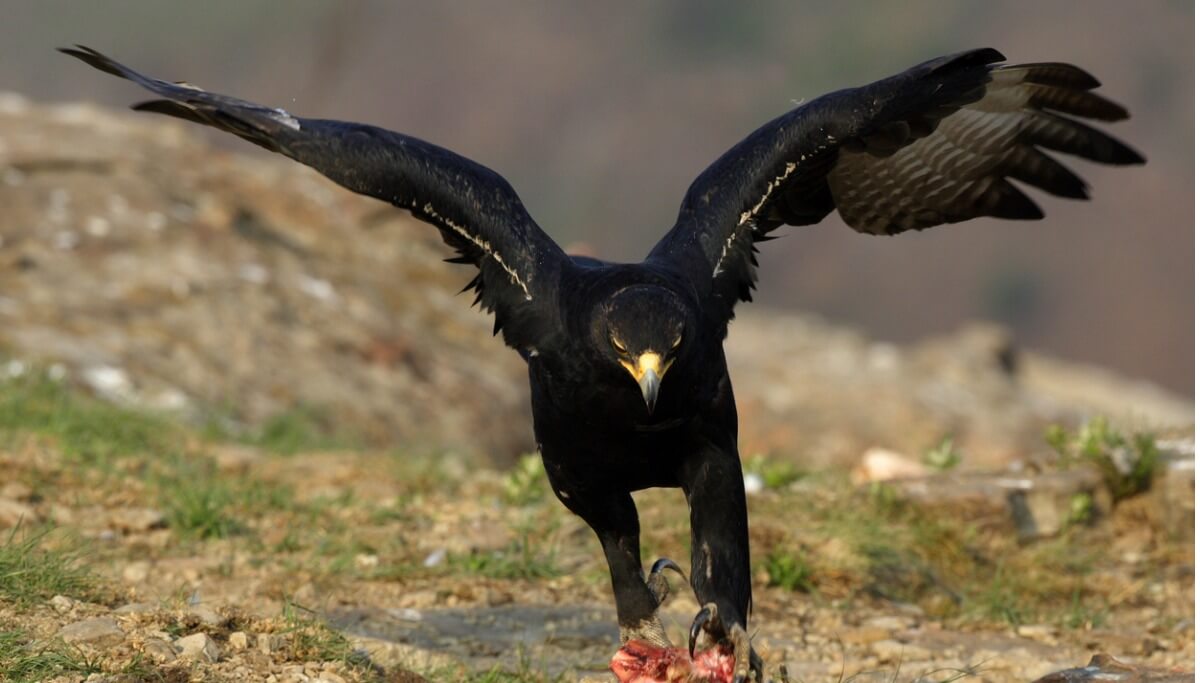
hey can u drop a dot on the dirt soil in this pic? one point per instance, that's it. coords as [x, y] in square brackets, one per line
[463, 574]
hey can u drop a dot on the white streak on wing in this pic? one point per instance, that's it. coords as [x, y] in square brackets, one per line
[485, 246]
[746, 216]
[285, 118]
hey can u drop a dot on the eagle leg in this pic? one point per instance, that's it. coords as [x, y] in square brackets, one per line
[712, 480]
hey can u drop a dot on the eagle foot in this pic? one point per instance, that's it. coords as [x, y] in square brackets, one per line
[710, 623]
[652, 630]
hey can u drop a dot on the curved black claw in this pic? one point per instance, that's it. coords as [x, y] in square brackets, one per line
[665, 563]
[706, 620]
[657, 582]
[746, 660]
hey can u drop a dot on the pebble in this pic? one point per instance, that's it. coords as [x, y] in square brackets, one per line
[435, 558]
[238, 640]
[1111, 670]
[892, 651]
[136, 572]
[1043, 633]
[864, 635]
[137, 519]
[753, 483]
[109, 381]
[159, 650]
[269, 642]
[198, 646]
[62, 603]
[889, 623]
[95, 631]
[137, 608]
[881, 464]
[207, 615]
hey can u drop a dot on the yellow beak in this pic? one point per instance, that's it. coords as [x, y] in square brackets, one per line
[648, 372]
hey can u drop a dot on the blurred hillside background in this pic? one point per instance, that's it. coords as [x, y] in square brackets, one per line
[601, 114]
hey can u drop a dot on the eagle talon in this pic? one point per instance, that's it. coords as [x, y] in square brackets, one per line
[666, 563]
[657, 581]
[706, 620]
[747, 664]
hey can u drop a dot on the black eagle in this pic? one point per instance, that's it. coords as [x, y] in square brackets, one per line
[626, 368]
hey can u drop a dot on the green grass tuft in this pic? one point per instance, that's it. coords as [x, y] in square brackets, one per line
[309, 638]
[85, 428]
[30, 572]
[526, 483]
[22, 660]
[775, 474]
[942, 457]
[1127, 462]
[529, 556]
[303, 428]
[199, 509]
[789, 571]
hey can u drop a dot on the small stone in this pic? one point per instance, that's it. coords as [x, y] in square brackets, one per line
[1106, 668]
[435, 558]
[62, 603]
[895, 652]
[198, 646]
[294, 673]
[881, 464]
[364, 561]
[238, 640]
[97, 631]
[329, 677]
[1043, 633]
[159, 650]
[864, 635]
[137, 519]
[753, 483]
[137, 608]
[207, 615]
[269, 642]
[1044, 505]
[136, 572]
[890, 623]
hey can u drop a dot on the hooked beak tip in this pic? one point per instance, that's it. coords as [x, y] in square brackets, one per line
[649, 384]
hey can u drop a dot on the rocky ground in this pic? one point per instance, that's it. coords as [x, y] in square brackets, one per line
[248, 433]
[138, 550]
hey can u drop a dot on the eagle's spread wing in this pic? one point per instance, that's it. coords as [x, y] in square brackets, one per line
[477, 211]
[935, 144]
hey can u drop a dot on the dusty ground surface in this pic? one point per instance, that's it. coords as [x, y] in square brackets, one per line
[186, 334]
[216, 561]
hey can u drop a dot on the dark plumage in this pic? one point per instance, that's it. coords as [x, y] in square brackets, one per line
[626, 367]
